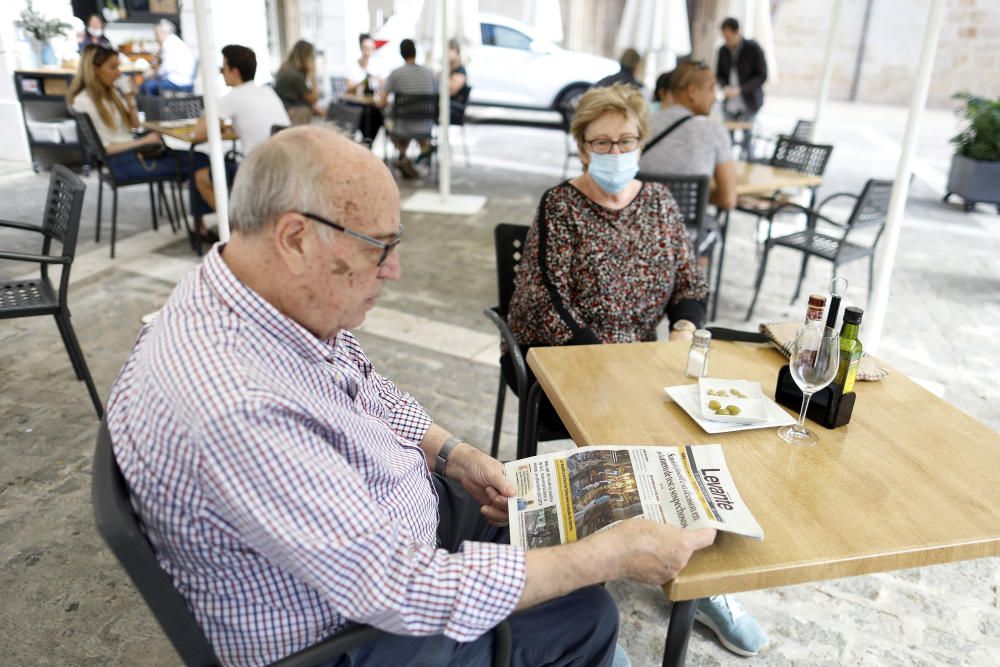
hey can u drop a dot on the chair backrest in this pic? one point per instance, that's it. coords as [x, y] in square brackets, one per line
[338, 85]
[872, 207]
[63, 207]
[415, 107]
[89, 137]
[179, 107]
[801, 156]
[345, 116]
[509, 242]
[691, 194]
[458, 105]
[803, 130]
[119, 526]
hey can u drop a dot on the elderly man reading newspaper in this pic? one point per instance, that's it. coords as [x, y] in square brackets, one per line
[289, 488]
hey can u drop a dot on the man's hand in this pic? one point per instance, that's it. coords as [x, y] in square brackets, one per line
[731, 91]
[483, 477]
[651, 552]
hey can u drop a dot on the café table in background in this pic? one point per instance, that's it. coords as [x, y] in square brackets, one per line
[911, 481]
[756, 180]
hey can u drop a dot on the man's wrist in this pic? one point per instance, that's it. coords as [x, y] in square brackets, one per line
[441, 461]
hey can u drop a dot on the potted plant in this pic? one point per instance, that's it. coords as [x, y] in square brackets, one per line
[41, 30]
[975, 167]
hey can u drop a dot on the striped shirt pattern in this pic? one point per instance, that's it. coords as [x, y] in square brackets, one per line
[280, 481]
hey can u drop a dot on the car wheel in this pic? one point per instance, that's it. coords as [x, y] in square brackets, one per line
[570, 97]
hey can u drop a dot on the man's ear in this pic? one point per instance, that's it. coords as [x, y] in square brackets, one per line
[293, 239]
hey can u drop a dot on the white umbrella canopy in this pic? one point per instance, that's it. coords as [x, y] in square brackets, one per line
[206, 55]
[545, 16]
[657, 29]
[462, 18]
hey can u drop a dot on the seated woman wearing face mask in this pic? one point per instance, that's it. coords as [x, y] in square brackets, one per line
[607, 256]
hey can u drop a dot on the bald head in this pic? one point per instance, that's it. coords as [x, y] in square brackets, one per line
[313, 214]
[308, 169]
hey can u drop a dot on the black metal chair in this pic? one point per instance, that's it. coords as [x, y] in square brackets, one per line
[457, 117]
[345, 116]
[691, 195]
[509, 240]
[870, 211]
[121, 529]
[412, 107]
[34, 297]
[566, 113]
[764, 145]
[98, 157]
[171, 108]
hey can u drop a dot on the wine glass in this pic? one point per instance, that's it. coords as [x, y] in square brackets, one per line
[814, 361]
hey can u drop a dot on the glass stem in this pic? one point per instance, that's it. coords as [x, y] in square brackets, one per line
[801, 427]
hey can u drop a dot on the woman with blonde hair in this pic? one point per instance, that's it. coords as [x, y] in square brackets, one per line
[296, 84]
[606, 258]
[94, 91]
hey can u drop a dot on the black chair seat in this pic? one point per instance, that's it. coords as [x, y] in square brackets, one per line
[38, 296]
[25, 298]
[822, 245]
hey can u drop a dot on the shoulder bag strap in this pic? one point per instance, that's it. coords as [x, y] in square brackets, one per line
[658, 138]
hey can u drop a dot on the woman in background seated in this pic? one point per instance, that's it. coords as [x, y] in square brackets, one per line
[296, 84]
[114, 115]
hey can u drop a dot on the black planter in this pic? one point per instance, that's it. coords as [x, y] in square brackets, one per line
[974, 181]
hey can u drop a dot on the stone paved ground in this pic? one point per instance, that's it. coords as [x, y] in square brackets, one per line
[66, 602]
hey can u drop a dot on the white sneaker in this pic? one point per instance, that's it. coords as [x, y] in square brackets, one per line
[736, 629]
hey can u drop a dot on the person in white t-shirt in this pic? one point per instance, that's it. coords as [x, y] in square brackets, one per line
[252, 109]
[176, 69]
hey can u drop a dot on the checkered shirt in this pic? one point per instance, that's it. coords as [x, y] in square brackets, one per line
[281, 483]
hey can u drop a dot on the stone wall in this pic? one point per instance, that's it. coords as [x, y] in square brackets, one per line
[968, 56]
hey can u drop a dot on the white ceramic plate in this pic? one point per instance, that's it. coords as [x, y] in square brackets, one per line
[687, 396]
[749, 400]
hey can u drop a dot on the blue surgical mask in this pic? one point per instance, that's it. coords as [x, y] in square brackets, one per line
[613, 171]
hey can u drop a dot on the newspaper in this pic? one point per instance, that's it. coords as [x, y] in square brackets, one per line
[565, 496]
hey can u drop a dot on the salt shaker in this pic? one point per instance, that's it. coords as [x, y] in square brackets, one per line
[697, 363]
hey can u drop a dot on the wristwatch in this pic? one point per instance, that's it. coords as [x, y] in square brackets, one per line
[444, 453]
[683, 325]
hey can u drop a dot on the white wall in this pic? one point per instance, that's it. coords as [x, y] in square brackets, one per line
[14, 54]
[242, 22]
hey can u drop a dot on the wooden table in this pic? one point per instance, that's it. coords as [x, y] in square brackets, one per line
[183, 130]
[737, 125]
[758, 180]
[911, 481]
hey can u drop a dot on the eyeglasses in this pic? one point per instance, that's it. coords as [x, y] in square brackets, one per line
[625, 144]
[386, 247]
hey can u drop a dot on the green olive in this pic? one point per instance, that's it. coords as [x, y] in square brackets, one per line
[714, 405]
[733, 409]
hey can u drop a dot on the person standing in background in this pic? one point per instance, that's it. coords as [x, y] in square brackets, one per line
[741, 71]
[176, 69]
[296, 83]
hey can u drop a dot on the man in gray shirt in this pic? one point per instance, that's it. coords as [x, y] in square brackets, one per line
[410, 79]
[697, 145]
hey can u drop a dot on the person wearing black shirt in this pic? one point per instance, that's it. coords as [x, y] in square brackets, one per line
[741, 71]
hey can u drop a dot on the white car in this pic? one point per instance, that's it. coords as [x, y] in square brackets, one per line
[513, 68]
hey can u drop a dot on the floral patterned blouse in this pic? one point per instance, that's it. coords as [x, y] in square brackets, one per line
[595, 275]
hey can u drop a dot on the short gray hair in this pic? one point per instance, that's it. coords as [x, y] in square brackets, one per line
[167, 27]
[283, 174]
